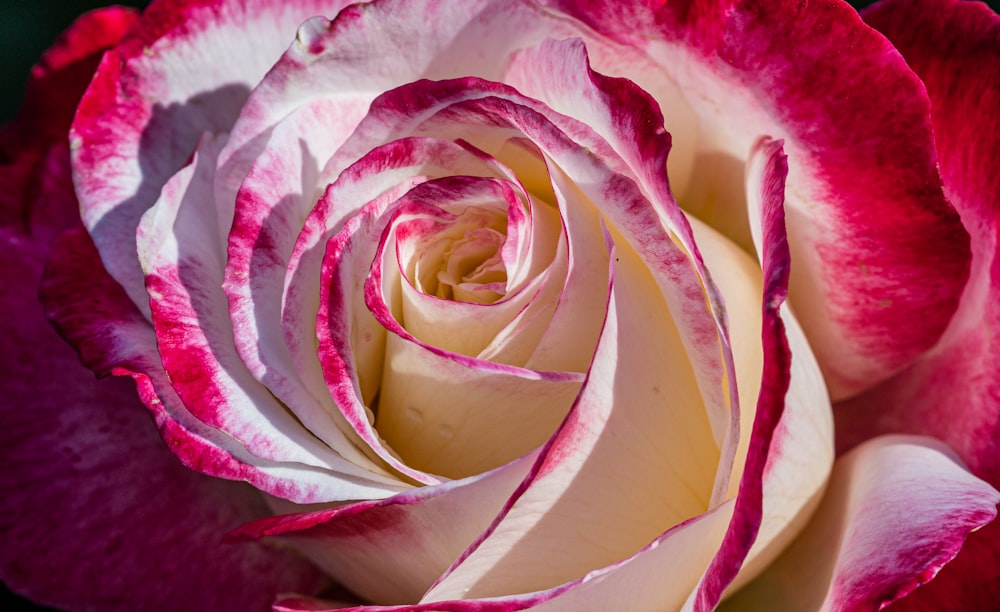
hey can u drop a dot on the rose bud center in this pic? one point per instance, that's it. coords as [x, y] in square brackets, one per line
[461, 260]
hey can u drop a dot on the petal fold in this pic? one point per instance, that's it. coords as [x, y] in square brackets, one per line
[866, 546]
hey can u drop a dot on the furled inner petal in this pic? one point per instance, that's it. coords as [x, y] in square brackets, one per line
[461, 261]
[637, 444]
[376, 180]
[441, 412]
[422, 406]
[456, 261]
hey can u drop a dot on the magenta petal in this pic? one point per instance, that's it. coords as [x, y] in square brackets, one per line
[392, 550]
[775, 378]
[957, 57]
[96, 512]
[28, 172]
[953, 393]
[185, 68]
[897, 509]
[867, 220]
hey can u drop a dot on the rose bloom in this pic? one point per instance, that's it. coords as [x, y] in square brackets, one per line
[490, 305]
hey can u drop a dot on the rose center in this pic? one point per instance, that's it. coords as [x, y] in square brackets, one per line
[462, 260]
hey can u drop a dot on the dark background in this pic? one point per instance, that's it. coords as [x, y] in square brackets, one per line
[27, 28]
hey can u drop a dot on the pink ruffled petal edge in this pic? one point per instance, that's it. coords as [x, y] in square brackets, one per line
[868, 222]
[897, 509]
[185, 68]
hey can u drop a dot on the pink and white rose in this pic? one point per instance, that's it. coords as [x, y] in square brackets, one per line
[481, 304]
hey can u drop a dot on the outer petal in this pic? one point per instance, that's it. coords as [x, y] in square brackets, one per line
[953, 393]
[868, 223]
[52, 94]
[91, 310]
[97, 514]
[867, 545]
[185, 69]
[391, 551]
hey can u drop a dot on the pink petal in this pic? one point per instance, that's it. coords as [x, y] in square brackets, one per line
[856, 128]
[352, 59]
[953, 393]
[896, 510]
[186, 68]
[957, 58]
[91, 311]
[274, 198]
[53, 91]
[96, 513]
[183, 256]
[63, 72]
[391, 551]
[789, 449]
[621, 115]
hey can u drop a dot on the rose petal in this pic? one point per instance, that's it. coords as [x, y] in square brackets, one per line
[858, 134]
[957, 58]
[63, 72]
[51, 96]
[391, 551]
[184, 69]
[866, 546]
[91, 310]
[800, 452]
[346, 60]
[272, 202]
[952, 393]
[184, 262]
[621, 114]
[637, 434]
[96, 511]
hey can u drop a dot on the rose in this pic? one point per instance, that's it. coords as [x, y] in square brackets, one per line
[723, 567]
[153, 98]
